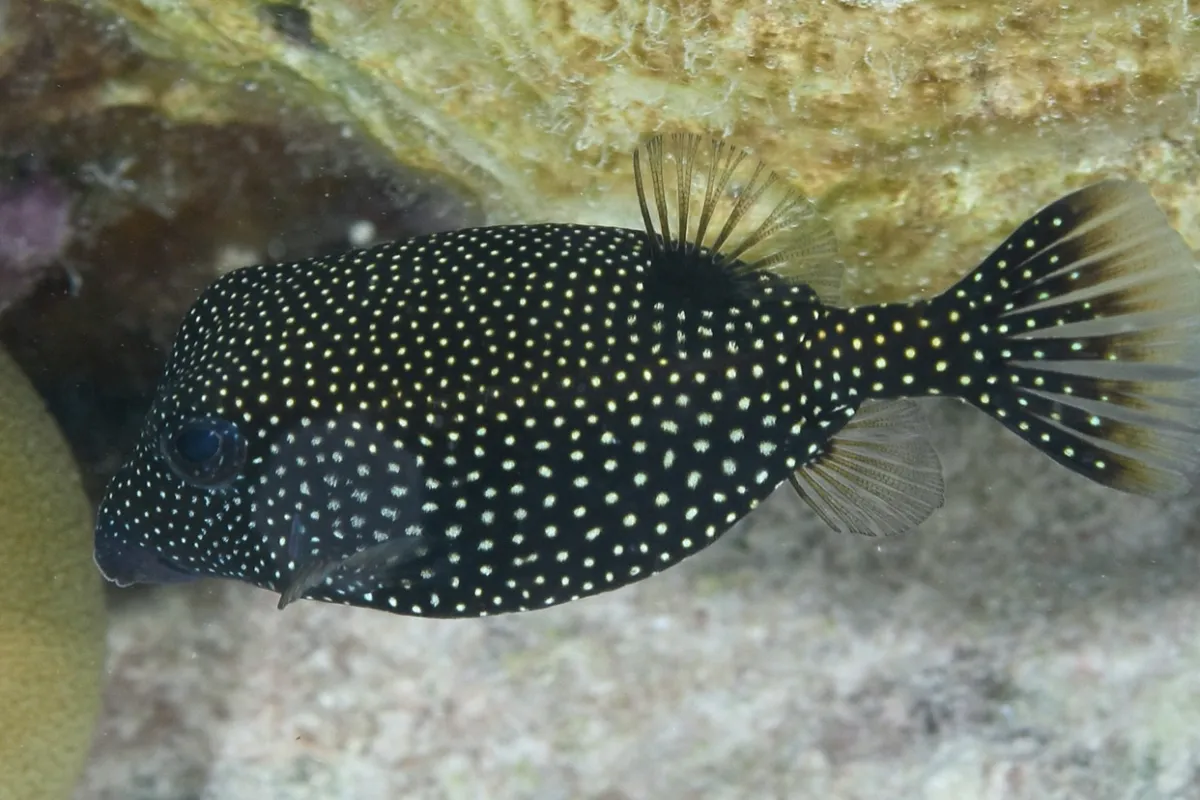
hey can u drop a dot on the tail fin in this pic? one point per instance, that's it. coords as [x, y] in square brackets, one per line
[1094, 306]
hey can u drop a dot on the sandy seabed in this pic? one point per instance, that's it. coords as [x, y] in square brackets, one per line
[1037, 639]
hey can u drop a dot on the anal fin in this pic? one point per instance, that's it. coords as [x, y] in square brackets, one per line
[878, 476]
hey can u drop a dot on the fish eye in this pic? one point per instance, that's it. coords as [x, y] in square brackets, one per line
[207, 451]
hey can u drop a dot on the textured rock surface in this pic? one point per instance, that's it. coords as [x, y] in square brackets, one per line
[157, 209]
[52, 622]
[934, 125]
[1036, 639]
[35, 227]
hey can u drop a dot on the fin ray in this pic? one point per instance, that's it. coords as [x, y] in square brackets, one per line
[384, 555]
[878, 476]
[748, 217]
[1096, 303]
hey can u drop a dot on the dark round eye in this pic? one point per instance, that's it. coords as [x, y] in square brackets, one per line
[197, 444]
[207, 451]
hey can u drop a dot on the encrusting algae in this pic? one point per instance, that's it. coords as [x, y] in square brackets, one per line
[930, 124]
[507, 418]
[52, 620]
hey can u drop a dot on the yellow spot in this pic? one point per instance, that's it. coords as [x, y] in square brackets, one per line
[910, 352]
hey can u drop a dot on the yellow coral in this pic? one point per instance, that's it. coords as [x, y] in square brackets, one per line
[931, 129]
[51, 603]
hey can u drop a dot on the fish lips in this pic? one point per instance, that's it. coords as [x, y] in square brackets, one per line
[125, 563]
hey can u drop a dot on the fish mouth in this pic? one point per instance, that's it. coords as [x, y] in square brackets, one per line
[126, 563]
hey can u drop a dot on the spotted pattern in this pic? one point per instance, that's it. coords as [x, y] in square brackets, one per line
[508, 418]
[1070, 334]
[552, 411]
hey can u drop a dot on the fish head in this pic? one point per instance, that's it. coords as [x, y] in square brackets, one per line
[250, 465]
[169, 511]
[168, 508]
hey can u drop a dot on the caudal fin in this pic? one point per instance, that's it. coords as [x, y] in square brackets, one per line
[1094, 306]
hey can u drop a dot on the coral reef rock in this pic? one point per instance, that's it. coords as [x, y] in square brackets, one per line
[52, 621]
[930, 128]
[35, 226]
[114, 215]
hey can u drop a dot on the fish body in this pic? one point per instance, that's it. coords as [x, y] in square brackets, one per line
[507, 418]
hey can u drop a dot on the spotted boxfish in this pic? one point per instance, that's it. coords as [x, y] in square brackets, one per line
[511, 417]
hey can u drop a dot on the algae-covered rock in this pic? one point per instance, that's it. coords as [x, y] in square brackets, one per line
[114, 216]
[52, 625]
[935, 125]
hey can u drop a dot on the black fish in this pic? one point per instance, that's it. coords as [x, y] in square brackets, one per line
[507, 418]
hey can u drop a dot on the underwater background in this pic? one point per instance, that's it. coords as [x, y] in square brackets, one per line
[1036, 638]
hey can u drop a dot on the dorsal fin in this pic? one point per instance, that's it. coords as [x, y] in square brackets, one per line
[709, 195]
